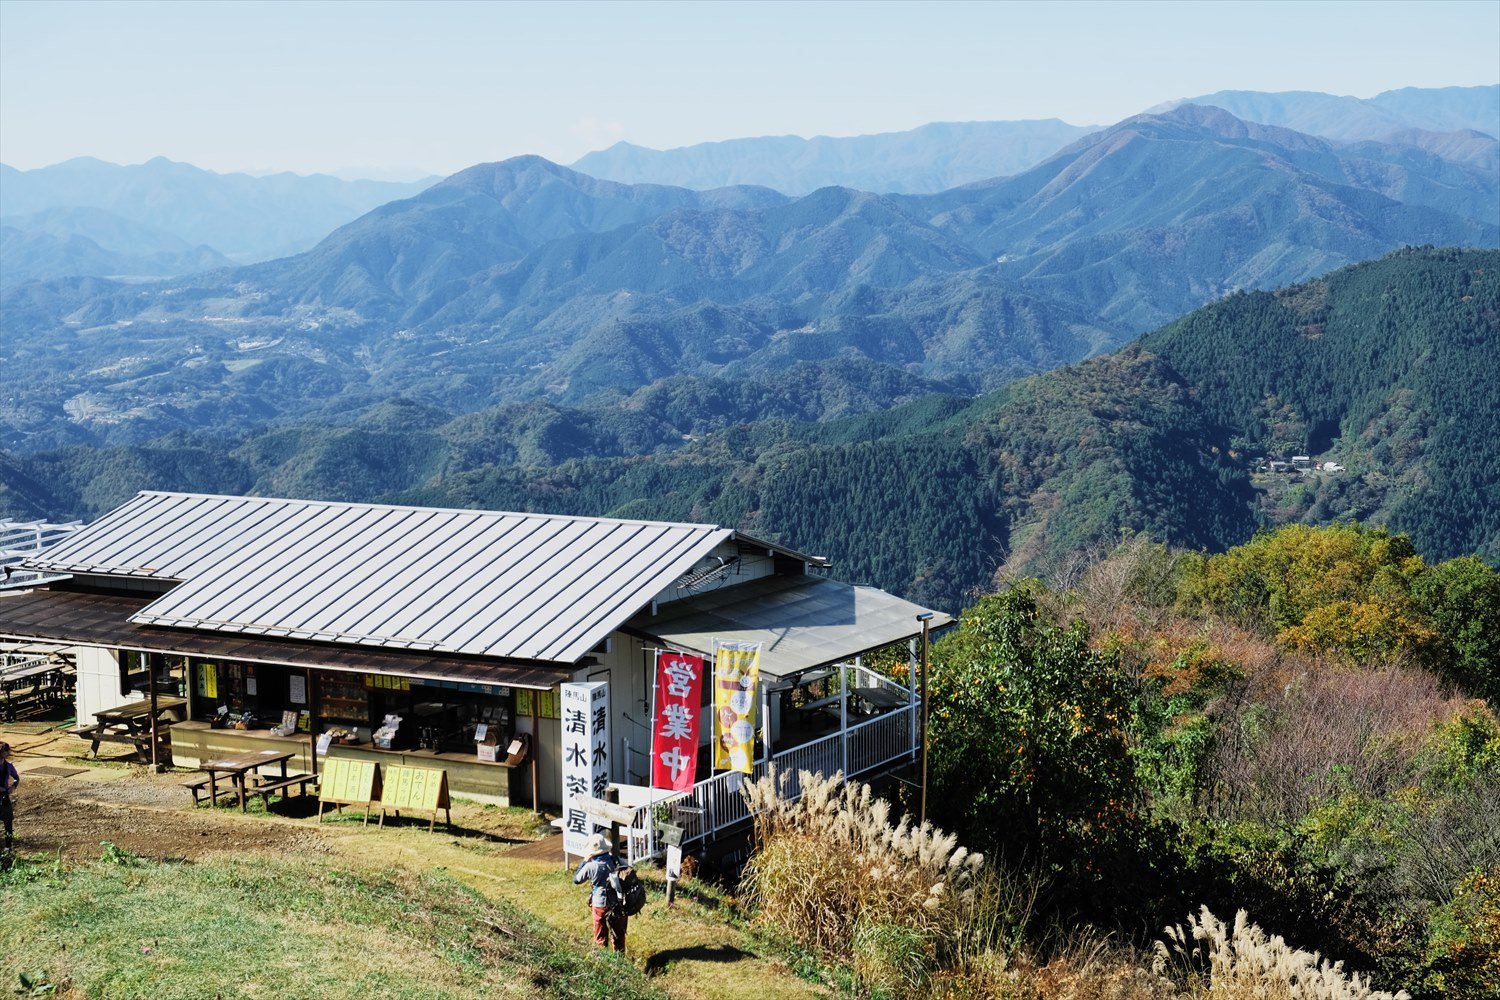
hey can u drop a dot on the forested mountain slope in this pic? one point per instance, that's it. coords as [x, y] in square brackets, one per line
[1387, 368]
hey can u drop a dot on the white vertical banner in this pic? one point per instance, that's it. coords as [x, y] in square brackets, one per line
[585, 757]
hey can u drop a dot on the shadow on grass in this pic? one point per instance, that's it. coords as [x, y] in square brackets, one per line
[662, 960]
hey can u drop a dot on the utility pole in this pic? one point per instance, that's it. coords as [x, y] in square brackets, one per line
[926, 619]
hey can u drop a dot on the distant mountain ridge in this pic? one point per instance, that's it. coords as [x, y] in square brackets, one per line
[924, 160]
[1435, 109]
[944, 155]
[524, 279]
[244, 218]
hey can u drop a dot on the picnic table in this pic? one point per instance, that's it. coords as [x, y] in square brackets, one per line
[880, 697]
[31, 685]
[239, 770]
[129, 723]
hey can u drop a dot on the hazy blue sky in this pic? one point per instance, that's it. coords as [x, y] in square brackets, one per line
[439, 86]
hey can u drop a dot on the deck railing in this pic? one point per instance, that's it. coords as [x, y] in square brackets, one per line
[717, 803]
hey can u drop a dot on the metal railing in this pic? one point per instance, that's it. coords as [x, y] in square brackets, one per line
[20, 540]
[718, 803]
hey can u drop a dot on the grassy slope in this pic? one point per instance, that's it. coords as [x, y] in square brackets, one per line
[399, 913]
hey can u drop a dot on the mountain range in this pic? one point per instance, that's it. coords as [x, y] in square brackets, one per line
[241, 217]
[1386, 368]
[924, 160]
[524, 279]
[1458, 123]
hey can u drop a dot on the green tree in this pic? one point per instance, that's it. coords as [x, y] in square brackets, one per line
[1028, 738]
[1462, 599]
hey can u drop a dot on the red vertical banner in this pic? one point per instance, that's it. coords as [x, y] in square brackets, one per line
[674, 733]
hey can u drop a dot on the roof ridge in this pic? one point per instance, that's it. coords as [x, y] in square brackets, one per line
[425, 509]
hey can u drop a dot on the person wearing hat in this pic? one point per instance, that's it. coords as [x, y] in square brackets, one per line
[604, 898]
[9, 779]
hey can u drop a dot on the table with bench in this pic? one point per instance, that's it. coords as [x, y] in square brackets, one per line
[245, 779]
[131, 723]
[32, 685]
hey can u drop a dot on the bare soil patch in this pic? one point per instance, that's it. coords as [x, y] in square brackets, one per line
[146, 814]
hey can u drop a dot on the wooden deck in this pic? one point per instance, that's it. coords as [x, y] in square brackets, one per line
[549, 848]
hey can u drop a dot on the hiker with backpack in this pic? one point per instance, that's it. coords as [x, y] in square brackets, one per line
[612, 884]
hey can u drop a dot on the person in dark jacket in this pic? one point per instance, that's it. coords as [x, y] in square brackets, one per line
[9, 779]
[604, 895]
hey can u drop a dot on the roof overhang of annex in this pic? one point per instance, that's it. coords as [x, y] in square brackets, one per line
[800, 622]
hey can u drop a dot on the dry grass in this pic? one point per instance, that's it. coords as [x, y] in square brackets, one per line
[1218, 961]
[896, 901]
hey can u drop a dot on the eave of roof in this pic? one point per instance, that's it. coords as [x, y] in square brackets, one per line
[800, 622]
[102, 620]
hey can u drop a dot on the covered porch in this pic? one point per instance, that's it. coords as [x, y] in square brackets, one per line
[823, 710]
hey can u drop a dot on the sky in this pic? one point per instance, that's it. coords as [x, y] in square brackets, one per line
[399, 90]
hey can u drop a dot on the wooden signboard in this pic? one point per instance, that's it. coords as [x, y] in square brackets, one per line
[605, 813]
[349, 782]
[416, 789]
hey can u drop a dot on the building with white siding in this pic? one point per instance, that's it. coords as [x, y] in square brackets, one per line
[336, 615]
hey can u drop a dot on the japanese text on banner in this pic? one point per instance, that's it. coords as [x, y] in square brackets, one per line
[736, 684]
[585, 757]
[674, 737]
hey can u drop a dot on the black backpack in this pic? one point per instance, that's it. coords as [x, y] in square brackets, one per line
[632, 894]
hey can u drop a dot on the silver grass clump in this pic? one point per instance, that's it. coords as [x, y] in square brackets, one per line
[1222, 961]
[832, 872]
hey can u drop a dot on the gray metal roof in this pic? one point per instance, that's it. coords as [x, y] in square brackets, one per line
[801, 622]
[525, 586]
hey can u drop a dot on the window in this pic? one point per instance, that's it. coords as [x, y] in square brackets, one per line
[135, 672]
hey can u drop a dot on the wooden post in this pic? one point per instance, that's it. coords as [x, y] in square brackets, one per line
[151, 662]
[536, 751]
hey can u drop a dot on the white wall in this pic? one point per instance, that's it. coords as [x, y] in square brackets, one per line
[98, 681]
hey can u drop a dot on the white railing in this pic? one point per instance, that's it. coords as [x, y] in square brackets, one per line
[21, 540]
[720, 803]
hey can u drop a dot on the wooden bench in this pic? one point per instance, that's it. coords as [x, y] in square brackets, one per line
[272, 784]
[97, 734]
[199, 788]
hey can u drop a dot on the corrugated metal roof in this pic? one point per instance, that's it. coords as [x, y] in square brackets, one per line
[801, 622]
[104, 620]
[524, 586]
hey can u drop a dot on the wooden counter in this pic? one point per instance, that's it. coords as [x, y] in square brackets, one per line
[468, 776]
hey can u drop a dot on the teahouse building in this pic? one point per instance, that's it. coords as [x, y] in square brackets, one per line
[309, 617]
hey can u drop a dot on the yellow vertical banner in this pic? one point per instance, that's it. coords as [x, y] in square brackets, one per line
[736, 690]
[208, 680]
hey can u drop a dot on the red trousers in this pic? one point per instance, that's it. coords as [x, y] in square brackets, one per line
[607, 924]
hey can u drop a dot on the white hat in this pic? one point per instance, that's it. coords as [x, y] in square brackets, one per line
[599, 844]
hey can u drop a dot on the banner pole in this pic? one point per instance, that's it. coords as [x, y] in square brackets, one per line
[651, 756]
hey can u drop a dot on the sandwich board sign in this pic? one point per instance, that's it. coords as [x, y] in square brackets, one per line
[585, 758]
